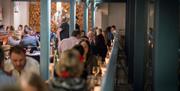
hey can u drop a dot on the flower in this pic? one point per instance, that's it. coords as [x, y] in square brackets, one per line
[65, 74]
[81, 58]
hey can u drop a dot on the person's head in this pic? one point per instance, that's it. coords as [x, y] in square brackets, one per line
[113, 27]
[26, 26]
[26, 30]
[7, 28]
[91, 35]
[2, 56]
[76, 34]
[84, 37]
[79, 48]
[31, 31]
[83, 33]
[65, 19]
[86, 45]
[1, 27]
[18, 57]
[20, 27]
[108, 29]
[32, 82]
[12, 28]
[69, 66]
[99, 31]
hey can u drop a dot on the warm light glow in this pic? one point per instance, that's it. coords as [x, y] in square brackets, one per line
[16, 7]
[59, 6]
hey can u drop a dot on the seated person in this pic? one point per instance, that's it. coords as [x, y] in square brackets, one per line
[29, 40]
[69, 70]
[5, 79]
[14, 39]
[20, 63]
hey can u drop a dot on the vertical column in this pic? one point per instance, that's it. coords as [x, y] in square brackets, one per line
[86, 3]
[45, 6]
[166, 46]
[72, 16]
[140, 43]
[93, 12]
[129, 37]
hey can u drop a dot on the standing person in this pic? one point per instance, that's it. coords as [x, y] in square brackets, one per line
[101, 46]
[109, 37]
[69, 42]
[5, 79]
[113, 30]
[77, 25]
[92, 39]
[90, 59]
[64, 29]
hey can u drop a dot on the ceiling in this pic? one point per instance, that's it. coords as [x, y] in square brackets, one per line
[109, 1]
[106, 1]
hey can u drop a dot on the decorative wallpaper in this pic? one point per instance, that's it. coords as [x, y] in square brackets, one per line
[79, 14]
[34, 15]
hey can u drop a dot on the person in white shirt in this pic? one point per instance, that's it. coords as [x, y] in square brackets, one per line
[20, 63]
[68, 43]
[14, 39]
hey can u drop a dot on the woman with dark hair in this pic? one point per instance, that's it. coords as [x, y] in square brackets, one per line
[79, 48]
[90, 59]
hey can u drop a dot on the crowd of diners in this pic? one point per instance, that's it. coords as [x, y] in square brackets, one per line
[80, 57]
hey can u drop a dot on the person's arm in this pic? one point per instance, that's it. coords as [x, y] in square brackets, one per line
[60, 48]
[58, 34]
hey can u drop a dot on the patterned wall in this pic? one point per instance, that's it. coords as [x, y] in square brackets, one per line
[79, 14]
[34, 15]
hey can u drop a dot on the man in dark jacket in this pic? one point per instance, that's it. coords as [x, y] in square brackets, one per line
[101, 45]
[64, 32]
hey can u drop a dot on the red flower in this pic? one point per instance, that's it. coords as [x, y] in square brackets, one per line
[81, 59]
[65, 74]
